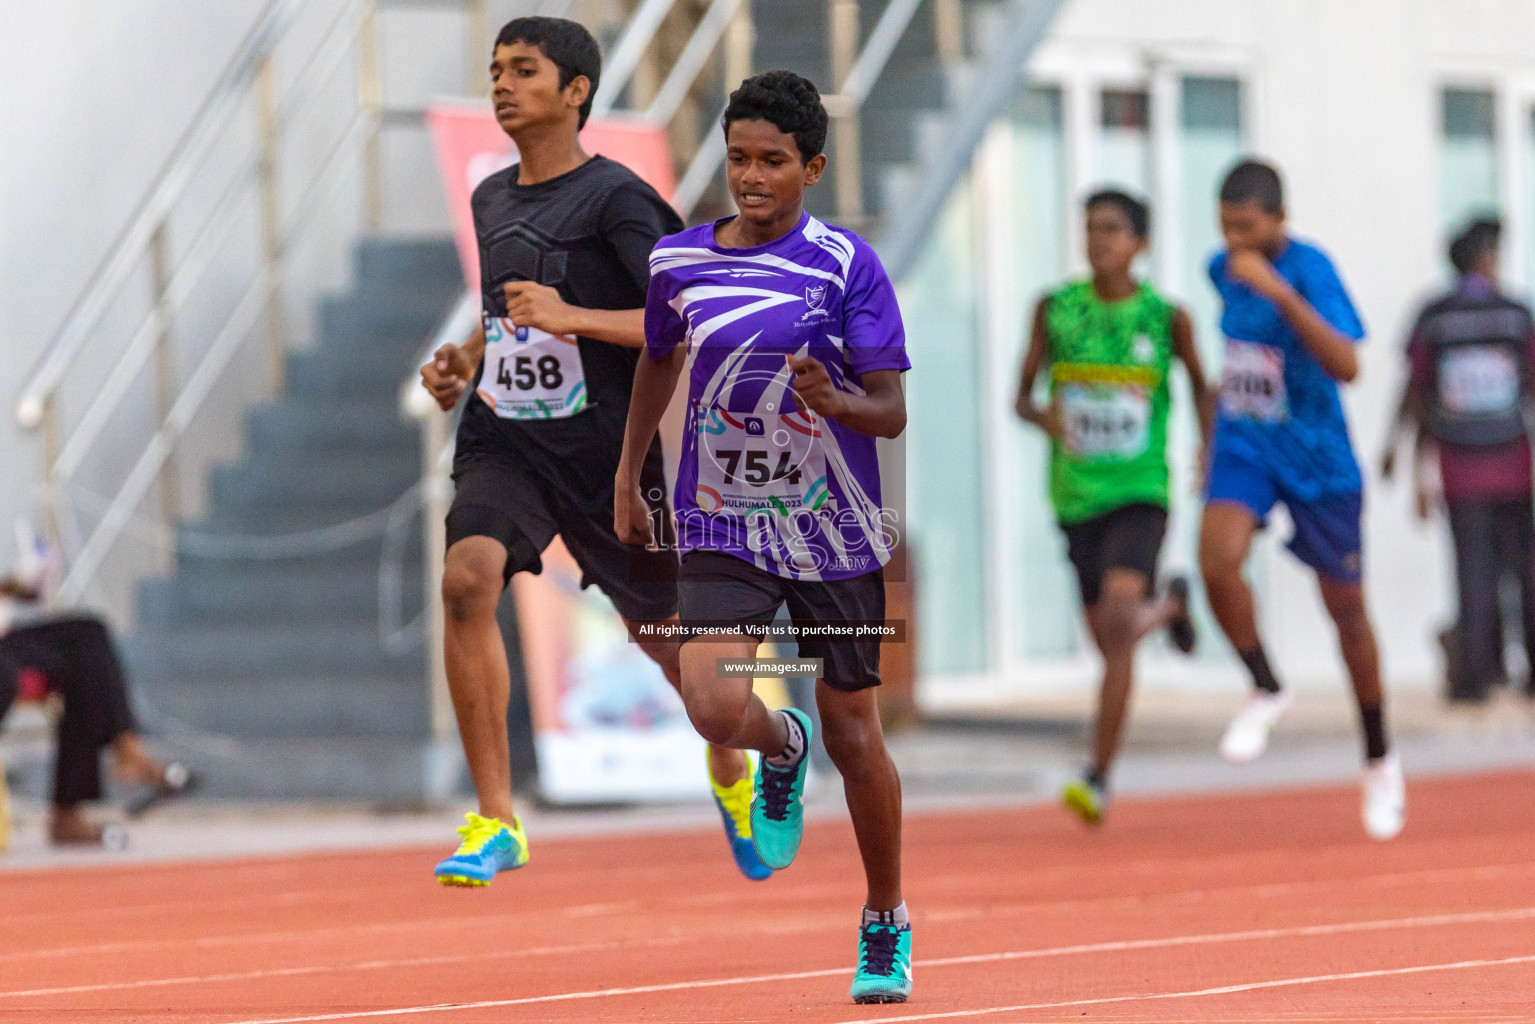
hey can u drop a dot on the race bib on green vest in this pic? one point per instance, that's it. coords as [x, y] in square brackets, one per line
[1101, 420]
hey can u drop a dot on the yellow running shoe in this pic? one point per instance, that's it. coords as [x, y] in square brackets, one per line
[1088, 799]
[489, 846]
[735, 805]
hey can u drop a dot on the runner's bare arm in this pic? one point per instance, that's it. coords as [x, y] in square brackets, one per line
[879, 412]
[452, 367]
[1188, 353]
[1334, 351]
[538, 305]
[654, 382]
[1047, 419]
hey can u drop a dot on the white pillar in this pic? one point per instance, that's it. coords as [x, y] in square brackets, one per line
[1083, 117]
[1166, 87]
[1513, 128]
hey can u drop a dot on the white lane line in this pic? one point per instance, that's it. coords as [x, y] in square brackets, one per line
[1251, 986]
[289, 972]
[1487, 872]
[1474, 917]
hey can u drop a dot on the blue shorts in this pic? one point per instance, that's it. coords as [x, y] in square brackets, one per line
[1327, 529]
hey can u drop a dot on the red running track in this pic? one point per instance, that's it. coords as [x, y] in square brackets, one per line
[1270, 907]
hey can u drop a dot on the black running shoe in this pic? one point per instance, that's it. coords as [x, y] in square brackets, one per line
[1180, 630]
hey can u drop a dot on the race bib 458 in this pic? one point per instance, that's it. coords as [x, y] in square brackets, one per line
[530, 374]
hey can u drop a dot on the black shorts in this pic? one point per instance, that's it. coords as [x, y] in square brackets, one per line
[497, 496]
[720, 588]
[1129, 537]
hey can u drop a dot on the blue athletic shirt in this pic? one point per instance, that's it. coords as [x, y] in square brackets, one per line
[1279, 410]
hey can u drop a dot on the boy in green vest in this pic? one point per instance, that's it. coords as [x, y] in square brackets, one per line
[1109, 342]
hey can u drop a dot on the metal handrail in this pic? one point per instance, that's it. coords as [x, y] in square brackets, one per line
[876, 52]
[172, 182]
[206, 375]
[691, 61]
[997, 84]
[630, 50]
[346, 34]
[846, 102]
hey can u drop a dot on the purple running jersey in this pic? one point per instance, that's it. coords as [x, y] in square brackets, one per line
[761, 478]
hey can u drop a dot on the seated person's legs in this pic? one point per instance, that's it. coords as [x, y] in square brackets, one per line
[80, 661]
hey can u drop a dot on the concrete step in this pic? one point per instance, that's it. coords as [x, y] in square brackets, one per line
[349, 318]
[347, 422]
[326, 374]
[263, 593]
[292, 534]
[405, 262]
[296, 707]
[245, 654]
[352, 486]
[275, 470]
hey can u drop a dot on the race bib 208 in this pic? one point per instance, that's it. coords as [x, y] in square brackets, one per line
[1252, 382]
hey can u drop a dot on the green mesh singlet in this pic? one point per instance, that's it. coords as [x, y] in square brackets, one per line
[1108, 367]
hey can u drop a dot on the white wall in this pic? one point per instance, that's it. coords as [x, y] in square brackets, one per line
[96, 93]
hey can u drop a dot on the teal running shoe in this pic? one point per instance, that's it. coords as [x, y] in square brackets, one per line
[489, 846]
[778, 811]
[735, 803]
[884, 964]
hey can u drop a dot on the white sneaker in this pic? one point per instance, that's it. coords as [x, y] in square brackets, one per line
[1248, 734]
[1385, 797]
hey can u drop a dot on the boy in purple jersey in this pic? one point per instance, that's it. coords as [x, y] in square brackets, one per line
[794, 348]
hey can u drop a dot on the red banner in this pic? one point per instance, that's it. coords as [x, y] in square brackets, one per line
[471, 146]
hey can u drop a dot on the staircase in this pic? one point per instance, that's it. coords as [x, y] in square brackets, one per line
[912, 101]
[272, 673]
[272, 670]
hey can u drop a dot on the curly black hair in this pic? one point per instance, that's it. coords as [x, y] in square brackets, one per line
[567, 43]
[788, 102]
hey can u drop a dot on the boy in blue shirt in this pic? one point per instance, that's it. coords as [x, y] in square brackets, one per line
[1280, 436]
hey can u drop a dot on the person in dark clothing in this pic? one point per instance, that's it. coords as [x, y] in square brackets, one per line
[1472, 353]
[76, 656]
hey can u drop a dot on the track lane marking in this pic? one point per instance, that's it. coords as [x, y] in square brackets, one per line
[1222, 990]
[1300, 931]
[1486, 872]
